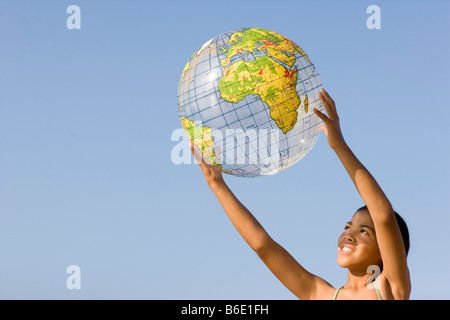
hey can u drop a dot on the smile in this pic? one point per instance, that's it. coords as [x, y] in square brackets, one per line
[345, 249]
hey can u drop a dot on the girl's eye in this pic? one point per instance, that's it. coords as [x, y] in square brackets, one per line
[364, 231]
[346, 227]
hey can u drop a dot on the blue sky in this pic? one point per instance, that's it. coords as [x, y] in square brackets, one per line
[86, 176]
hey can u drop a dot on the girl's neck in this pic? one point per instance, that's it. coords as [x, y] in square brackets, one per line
[358, 279]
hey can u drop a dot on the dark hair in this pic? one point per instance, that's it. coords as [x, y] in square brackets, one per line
[402, 226]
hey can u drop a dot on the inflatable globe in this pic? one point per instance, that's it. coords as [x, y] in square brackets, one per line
[246, 100]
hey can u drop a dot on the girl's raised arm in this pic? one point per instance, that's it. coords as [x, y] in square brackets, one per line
[299, 281]
[390, 242]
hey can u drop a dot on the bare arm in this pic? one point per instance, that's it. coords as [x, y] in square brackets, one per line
[299, 281]
[389, 238]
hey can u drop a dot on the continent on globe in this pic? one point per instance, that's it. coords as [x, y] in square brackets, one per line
[268, 76]
[305, 103]
[201, 138]
[271, 81]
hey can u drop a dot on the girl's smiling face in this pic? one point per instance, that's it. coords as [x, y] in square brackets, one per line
[357, 245]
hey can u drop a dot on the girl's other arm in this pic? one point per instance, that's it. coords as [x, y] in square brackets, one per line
[298, 280]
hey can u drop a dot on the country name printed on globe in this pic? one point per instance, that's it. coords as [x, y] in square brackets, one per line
[246, 100]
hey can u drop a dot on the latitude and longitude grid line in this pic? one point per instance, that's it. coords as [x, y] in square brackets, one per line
[247, 104]
[189, 93]
[269, 121]
[218, 97]
[287, 163]
[187, 80]
[303, 146]
[234, 109]
[238, 120]
[252, 148]
[248, 173]
[252, 115]
[193, 92]
[302, 68]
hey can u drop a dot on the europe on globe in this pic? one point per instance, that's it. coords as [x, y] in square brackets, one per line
[246, 100]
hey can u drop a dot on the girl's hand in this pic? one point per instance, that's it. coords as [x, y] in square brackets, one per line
[331, 126]
[212, 175]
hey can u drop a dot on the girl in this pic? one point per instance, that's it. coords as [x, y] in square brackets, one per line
[375, 239]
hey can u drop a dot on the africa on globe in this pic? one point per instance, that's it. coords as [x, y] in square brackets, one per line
[246, 100]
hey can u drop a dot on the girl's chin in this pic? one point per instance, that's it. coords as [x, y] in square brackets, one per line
[343, 265]
[344, 262]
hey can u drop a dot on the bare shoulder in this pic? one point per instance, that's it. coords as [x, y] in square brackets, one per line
[325, 291]
[391, 291]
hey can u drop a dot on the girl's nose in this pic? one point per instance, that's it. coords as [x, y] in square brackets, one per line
[349, 237]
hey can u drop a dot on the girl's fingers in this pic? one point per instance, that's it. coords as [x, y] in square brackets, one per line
[326, 96]
[321, 115]
[328, 101]
[325, 103]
